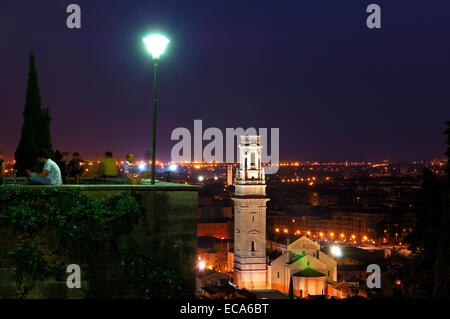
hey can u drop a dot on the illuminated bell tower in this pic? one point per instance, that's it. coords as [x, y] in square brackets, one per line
[250, 267]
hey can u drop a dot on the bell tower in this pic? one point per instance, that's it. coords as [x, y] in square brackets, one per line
[250, 266]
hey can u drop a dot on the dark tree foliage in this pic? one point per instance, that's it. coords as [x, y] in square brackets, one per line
[428, 273]
[442, 265]
[36, 126]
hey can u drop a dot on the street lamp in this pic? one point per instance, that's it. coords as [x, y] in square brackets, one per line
[336, 250]
[156, 45]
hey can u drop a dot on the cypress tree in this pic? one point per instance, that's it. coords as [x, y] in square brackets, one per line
[441, 289]
[36, 126]
[428, 273]
[291, 289]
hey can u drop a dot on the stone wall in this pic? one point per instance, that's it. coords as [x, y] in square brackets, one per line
[169, 234]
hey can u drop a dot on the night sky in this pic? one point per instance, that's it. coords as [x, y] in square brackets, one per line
[336, 89]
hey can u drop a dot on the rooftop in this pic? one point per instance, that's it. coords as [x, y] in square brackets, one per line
[309, 272]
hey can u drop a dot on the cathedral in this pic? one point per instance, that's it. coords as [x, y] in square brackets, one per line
[301, 263]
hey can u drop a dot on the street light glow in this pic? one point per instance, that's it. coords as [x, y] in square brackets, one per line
[156, 44]
[335, 250]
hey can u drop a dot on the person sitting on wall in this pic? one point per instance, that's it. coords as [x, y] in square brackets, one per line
[62, 162]
[75, 167]
[50, 175]
[108, 166]
[129, 174]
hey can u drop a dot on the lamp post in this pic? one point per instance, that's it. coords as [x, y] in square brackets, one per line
[336, 251]
[156, 45]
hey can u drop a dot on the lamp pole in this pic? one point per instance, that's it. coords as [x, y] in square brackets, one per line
[155, 75]
[156, 44]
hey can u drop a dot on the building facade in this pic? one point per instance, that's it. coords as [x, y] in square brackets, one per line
[311, 270]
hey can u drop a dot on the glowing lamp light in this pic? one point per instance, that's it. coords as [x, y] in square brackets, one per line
[156, 44]
[201, 265]
[335, 250]
[201, 178]
[285, 231]
[173, 167]
[142, 166]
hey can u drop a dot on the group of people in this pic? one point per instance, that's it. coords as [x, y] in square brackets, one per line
[72, 168]
[56, 172]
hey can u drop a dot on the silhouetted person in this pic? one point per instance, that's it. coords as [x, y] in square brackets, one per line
[75, 168]
[63, 165]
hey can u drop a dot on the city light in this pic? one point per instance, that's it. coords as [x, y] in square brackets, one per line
[201, 265]
[336, 250]
[173, 167]
[201, 178]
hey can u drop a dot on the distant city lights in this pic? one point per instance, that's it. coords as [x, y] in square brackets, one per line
[201, 265]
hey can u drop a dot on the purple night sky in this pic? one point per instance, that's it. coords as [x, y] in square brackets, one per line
[336, 89]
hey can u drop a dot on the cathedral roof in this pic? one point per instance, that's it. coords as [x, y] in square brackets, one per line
[309, 272]
[296, 258]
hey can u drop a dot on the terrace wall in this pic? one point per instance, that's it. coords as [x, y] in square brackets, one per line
[169, 234]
